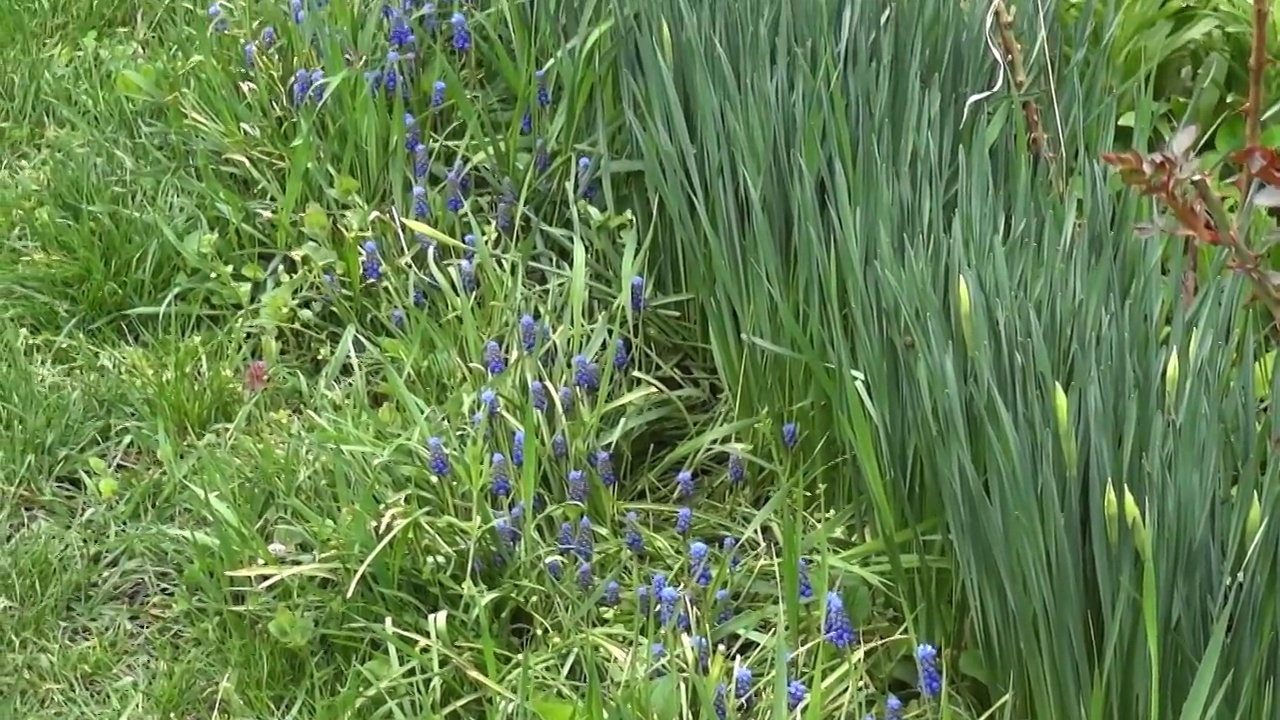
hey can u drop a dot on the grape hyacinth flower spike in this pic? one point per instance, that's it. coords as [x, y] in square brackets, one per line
[790, 435]
[438, 460]
[930, 676]
[544, 95]
[685, 485]
[638, 301]
[461, 32]
[528, 333]
[836, 627]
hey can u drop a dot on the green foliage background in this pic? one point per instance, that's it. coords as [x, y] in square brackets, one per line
[807, 200]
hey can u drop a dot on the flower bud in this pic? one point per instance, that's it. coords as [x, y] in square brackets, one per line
[1132, 517]
[966, 312]
[1063, 419]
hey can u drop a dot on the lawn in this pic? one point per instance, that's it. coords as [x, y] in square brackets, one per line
[607, 360]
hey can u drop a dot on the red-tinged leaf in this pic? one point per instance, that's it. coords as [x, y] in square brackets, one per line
[1267, 196]
[1136, 178]
[1128, 160]
[1262, 162]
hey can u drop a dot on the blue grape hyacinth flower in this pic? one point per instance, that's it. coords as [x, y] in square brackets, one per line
[742, 678]
[702, 648]
[621, 356]
[699, 568]
[685, 485]
[461, 32]
[467, 276]
[577, 486]
[930, 675]
[507, 531]
[604, 467]
[638, 301]
[438, 460]
[684, 519]
[489, 400]
[633, 539]
[612, 594]
[220, 23]
[806, 586]
[790, 435]
[528, 333]
[501, 480]
[457, 184]
[301, 86]
[730, 547]
[586, 182]
[737, 472]
[726, 610]
[796, 694]
[400, 34]
[566, 539]
[586, 374]
[668, 599]
[421, 211]
[892, 708]
[494, 360]
[584, 540]
[371, 267]
[504, 214]
[421, 161]
[412, 133]
[719, 703]
[544, 95]
[836, 627]
[517, 448]
[317, 86]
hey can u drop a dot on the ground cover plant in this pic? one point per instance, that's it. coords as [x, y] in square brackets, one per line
[958, 285]
[339, 389]
[616, 360]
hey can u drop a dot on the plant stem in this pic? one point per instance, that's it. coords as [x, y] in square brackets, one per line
[1013, 52]
[1253, 109]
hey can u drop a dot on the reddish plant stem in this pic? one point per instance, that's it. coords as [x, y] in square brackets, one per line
[1253, 108]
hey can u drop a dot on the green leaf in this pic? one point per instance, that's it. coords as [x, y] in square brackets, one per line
[664, 698]
[293, 630]
[315, 222]
[553, 709]
[1230, 135]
